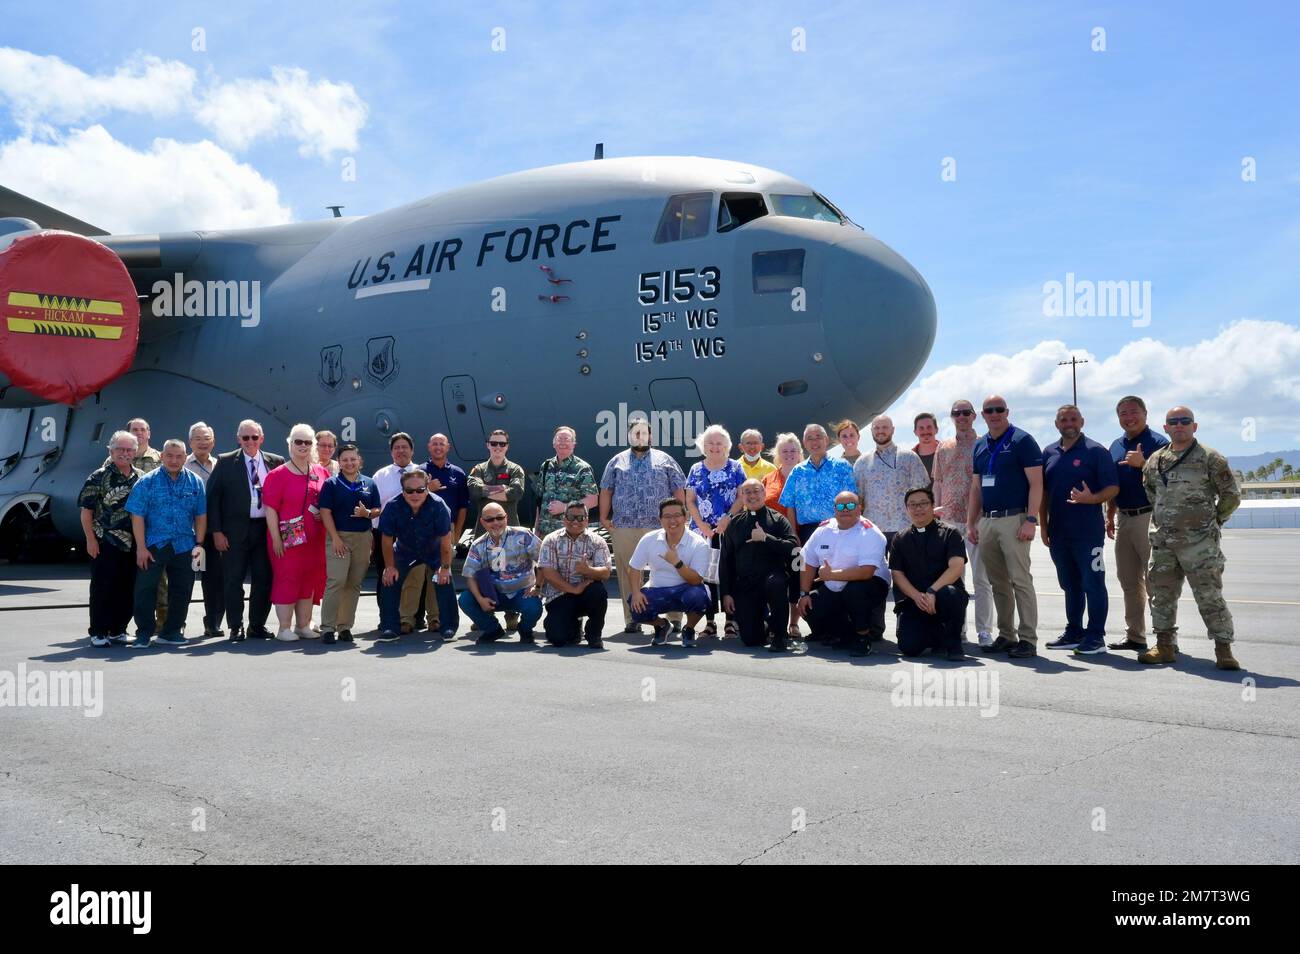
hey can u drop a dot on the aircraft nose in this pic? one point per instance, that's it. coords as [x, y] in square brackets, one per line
[879, 318]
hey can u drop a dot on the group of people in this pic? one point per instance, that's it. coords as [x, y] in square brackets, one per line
[820, 534]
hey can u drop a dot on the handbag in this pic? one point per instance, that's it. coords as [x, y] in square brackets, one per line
[293, 532]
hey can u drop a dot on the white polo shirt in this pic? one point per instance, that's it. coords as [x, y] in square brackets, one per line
[692, 550]
[860, 545]
[389, 482]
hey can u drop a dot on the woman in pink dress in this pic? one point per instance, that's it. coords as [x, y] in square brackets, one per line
[295, 535]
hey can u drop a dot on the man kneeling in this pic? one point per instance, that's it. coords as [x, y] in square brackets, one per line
[574, 567]
[847, 557]
[928, 561]
[677, 559]
[499, 576]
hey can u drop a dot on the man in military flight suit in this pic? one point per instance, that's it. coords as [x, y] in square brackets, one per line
[1194, 492]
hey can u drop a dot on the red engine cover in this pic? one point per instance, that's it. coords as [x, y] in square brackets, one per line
[69, 316]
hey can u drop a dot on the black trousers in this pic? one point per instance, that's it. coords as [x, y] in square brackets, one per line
[248, 558]
[214, 586]
[563, 612]
[112, 590]
[852, 610]
[878, 621]
[180, 584]
[919, 631]
[752, 597]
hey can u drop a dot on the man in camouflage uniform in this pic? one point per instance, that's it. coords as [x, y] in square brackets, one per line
[565, 479]
[1194, 492]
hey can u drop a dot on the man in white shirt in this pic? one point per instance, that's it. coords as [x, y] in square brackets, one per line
[401, 447]
[678, 559]
[846, 558]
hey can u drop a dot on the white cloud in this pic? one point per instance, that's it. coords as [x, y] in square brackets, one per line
[169, 186]
[324, 117]
[46, 89]
[1251, 369]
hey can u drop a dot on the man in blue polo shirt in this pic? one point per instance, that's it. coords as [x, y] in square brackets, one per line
[1132, 543]
[415, 532]
[168, 509]
[1078, 477]
[810, 490]
[1005, 498]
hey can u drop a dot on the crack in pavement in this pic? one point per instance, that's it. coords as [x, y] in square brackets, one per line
[975, 788]
[177, 789]
[138, 839]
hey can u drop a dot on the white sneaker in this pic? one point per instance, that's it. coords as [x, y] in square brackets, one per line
[99, 641]
[307, 633]
[986, 639]
[287, 636]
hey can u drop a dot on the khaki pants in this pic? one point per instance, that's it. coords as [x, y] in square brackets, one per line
[1005, 559]
[343, 576]
[625, 541]
[420, 579]
[1132, 556]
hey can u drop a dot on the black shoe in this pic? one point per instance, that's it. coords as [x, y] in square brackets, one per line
[1000, 645]
[677, 626]
[595, 642]
[778, 644]
[260, 632]
[327, 637]
[236, 635]
[345, 635]
[388, 636]
[1129, 644]
[1022, 650]
[526, 638]
[661, 632]
[632, 629]
[688, 638]
[860, 646]
[491, 636]
[955, 655]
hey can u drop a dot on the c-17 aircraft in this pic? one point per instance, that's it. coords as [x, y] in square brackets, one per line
[695, 290]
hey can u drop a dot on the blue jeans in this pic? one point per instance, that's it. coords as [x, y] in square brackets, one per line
[390, 603]
[529, 609]
[1083, 585]
[684, 597]
[180, 583]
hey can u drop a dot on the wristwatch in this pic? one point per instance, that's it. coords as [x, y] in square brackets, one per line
[803, 593]
[930, 590]
[679, 564]
[1031, 519]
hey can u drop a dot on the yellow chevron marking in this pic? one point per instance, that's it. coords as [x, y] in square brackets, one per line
[66, 329]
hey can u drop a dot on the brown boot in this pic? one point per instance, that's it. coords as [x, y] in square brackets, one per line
[1164, 651]
[1223, 655]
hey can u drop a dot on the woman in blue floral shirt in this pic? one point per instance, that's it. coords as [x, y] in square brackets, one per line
[711, 496]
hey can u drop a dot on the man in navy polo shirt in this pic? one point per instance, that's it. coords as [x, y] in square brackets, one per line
[1132, 543]
[415, 530]
[1078, 477]
[1005, 498]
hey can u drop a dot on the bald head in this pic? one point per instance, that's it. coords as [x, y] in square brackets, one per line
[753, 495]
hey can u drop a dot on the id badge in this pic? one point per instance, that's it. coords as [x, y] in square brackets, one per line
[988, 480]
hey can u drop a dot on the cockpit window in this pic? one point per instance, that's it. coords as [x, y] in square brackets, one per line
[778, 271]
[737, 208]
[805, 207]
[685, 217]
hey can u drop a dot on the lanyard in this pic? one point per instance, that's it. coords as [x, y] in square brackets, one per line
[1166, 471]
[993, 457]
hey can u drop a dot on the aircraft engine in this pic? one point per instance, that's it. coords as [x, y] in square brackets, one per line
[69, 315]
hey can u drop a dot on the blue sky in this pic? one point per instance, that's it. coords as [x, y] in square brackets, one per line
[1122, 165]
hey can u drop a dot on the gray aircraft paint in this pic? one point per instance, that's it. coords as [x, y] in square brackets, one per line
[388, 320]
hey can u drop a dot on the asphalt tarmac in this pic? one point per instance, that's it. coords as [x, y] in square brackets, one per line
[424, 751]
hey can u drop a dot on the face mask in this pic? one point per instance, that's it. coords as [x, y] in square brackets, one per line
[753, 458]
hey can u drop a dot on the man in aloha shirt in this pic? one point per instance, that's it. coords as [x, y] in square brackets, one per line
[810, 490]
[884, 476]
[564, 479]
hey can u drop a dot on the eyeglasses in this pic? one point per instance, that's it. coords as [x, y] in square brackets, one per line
[919, 504]
[847, 506]
[498, 443]
[1184, 421]
[575, 518]
[672, 515]
[496, 519]
[415, 490]
[301, 443]
[995, 410]
[963, 412]
[250, 437]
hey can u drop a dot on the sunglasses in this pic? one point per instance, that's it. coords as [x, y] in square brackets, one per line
[1184, 421]
[497, 519]
[847, 506]
[575, 518]
[965, 412]
[995, 410]
[302, 443]
[498, 443]
[415, 490]
[250, 437]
